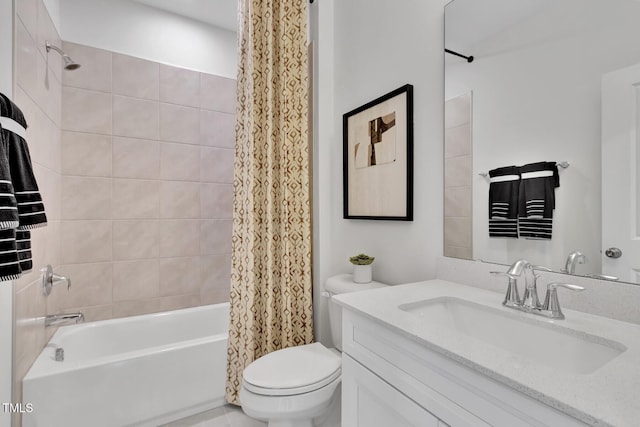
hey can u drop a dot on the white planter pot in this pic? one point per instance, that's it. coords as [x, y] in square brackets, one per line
[362, 273]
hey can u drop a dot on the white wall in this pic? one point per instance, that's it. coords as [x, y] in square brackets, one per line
[536, 97]
[134, 29]
[6, 288]
[378, 46]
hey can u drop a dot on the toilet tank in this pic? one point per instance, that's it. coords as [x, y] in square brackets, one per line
[342, 284]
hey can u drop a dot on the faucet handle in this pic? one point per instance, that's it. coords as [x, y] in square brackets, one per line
[502, 273]
[50, 279]
[541, 267]
[512, 297]
[551, 302]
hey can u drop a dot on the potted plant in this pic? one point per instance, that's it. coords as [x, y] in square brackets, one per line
[362, 268]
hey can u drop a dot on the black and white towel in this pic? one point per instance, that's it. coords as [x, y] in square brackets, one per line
[21, 207]
[29, 201]
[538, 182]
[503, 201]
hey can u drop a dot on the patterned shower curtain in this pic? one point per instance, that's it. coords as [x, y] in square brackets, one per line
[271, 284]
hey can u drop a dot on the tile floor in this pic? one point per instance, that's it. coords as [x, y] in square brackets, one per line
[225, 416]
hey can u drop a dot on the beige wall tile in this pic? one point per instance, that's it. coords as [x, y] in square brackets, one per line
[215, 273]
[179, 86]
[179, 124]
[91, 284]
[135, 118]
[179, 200]
[86, 111]
[216, 201]
[457, 202]
[216, 165]
[215, 237]
[457, 110]
[86, 154]
[179, 276]
[26, 60]
[457, 171]
[457, 141]
[458, 252]
[135, 77]
[95, 68]
[49, 184]
[85, 241]
[179, 238]
[179, 302]
[135, 239]
[217, 93]
[93, 313]
[457, 232]
[217, 129]
[86, 198]
[179, 162]
[135, 307]
[27, 11]
[47, 32]
[135, 280]
[214, 297]
[135, 199]
[136, 158]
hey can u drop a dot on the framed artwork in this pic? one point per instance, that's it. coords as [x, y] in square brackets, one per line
[378, 158]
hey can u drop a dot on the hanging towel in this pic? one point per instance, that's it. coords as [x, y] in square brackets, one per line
[29, 201]
[503, 201]
[9, 262]
[23, 247]
[537, 199]
[8, 206]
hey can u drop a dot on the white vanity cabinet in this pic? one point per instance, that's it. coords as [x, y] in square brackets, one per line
[389, 379]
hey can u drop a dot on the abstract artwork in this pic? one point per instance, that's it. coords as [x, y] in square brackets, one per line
[378, 158]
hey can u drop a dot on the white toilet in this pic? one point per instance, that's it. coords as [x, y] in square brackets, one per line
[300, 386]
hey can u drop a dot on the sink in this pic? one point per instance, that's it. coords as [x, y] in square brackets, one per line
[543, 342]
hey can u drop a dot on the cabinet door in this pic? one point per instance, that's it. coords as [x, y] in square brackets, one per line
[369, 401]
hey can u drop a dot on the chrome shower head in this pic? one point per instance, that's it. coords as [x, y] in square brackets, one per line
[69, 64]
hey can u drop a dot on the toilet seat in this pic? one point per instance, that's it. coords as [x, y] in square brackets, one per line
[292, 371]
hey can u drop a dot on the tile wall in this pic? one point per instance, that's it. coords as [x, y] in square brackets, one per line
[457, 178]
[146, 191]
[37, 91]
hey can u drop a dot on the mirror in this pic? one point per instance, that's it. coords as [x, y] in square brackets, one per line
[533, 93]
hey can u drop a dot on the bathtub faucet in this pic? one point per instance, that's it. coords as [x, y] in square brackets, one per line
[63, 319]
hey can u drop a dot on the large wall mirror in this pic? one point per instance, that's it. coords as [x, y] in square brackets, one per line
[551, 81]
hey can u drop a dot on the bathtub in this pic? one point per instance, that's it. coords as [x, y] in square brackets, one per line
[137, 371]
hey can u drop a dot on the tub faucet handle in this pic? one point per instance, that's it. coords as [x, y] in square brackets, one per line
[50, 279]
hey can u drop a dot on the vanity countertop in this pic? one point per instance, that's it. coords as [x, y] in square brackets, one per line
[609, 396]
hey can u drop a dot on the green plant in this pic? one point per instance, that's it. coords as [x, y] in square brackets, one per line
[361, 259]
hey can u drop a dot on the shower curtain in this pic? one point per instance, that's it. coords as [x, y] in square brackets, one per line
[271, 284]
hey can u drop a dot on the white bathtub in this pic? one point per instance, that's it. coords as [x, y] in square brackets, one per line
[137, 371]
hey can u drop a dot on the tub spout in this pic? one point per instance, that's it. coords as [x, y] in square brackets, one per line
[63, 319]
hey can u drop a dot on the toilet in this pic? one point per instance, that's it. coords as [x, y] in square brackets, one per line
[300, 386]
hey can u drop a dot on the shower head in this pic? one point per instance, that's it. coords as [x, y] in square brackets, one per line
[69, 64]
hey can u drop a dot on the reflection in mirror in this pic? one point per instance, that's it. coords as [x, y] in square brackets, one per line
[534, 93]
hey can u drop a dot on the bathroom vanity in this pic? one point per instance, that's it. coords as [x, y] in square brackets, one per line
[438, 353]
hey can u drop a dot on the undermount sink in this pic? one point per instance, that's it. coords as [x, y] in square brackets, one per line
[540, 341]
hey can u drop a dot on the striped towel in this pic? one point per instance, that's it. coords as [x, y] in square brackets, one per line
[503, 201]
[21, 207]
[29, 201]
[537, 199]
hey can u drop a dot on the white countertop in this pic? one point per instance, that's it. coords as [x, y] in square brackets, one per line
[609, 396]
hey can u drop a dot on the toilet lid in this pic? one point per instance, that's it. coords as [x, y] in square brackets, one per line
[292, 370]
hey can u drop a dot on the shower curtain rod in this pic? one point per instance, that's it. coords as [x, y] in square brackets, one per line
[468, 58]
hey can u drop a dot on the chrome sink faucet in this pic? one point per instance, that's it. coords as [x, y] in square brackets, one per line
[572, 259]
[530, 302]
[63, 319]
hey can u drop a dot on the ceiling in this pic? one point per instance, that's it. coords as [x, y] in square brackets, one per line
[220, 13]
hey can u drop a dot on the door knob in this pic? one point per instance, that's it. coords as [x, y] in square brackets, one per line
[613, 253]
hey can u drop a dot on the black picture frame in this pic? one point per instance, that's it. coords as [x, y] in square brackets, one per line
[377, 155]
